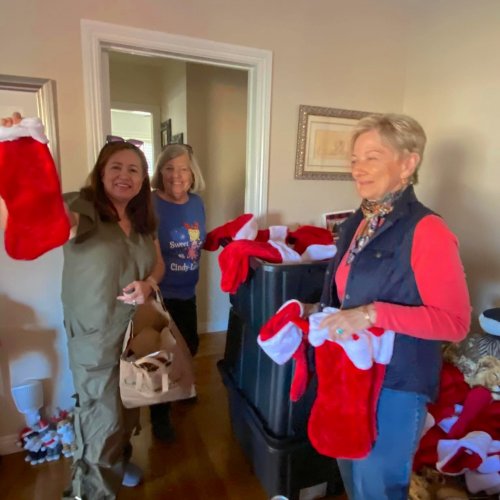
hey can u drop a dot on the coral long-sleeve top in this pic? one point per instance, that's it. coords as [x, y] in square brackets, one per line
[440, 278]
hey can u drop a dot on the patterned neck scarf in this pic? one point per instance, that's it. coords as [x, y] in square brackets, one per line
[375, 213]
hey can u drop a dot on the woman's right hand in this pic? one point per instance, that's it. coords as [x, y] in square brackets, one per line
[346, 322]
[11, 120]
[7, 122]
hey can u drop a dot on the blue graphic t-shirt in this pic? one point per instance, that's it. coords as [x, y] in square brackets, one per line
[181, 233]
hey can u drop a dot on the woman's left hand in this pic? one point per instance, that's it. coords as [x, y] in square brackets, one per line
[347, 321]
[136, 292]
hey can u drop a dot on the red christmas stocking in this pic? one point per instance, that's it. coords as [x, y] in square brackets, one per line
[477, 400]
[37, 221]
[304, 236]
[234, 260]
[342, 421]
[243, 227]
[458, 455]
[282, 337]
[350, 373]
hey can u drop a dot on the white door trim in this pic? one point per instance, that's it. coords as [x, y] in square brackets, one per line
[98, 37]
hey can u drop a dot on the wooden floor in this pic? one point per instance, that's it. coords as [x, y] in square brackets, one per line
[205, 461]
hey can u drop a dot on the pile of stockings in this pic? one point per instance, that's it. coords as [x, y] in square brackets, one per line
[242, 239]
[350, 372]
[29, 186]
[462, 435]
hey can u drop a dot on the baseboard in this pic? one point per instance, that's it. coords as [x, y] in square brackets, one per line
[212, 326]
[8, 444]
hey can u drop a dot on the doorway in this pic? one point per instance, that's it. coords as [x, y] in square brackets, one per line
[206, 105]
[102, 39]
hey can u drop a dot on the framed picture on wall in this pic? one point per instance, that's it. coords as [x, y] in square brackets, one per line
[178, 138]
[323, 142]
[166, 132]
[332, 221]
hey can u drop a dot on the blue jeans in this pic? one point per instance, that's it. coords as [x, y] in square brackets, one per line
[385, 473]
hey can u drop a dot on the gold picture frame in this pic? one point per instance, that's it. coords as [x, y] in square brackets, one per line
[323, 142]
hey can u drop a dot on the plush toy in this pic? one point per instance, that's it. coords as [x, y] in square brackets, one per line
[466, 354]
[419, 488]
[29, 185]
[487, 374]
[34, 446]
[51, 443]
[67, 436]
[23, 437]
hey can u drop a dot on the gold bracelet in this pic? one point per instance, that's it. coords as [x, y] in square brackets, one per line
[366, 314]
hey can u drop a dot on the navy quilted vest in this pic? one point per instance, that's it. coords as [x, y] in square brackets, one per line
[382, 272]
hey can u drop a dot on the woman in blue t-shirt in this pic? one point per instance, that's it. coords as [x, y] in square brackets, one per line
[181, 233]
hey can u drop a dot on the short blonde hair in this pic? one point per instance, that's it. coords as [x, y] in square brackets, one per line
[170, 152]
[401, 132]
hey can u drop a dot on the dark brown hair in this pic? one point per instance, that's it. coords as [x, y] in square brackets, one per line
[139, 209]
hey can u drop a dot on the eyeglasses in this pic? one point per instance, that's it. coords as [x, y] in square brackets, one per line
[115, 138]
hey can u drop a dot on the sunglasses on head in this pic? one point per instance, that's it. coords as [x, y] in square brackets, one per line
[115, 138]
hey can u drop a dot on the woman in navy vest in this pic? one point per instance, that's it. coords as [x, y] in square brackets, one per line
[181, 232]
[397, 268]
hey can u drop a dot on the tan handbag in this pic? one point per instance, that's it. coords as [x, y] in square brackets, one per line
[155, 364]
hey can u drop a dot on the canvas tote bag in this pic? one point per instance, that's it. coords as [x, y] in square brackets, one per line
[155, 364]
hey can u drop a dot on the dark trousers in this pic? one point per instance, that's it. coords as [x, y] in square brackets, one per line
[183, 313]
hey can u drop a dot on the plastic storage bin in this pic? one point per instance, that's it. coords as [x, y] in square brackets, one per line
[289, 466]
[265, 384]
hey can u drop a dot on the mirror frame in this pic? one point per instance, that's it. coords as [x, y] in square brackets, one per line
[45, 93]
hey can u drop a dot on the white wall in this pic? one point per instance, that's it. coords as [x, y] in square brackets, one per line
[173, 96]
[216, 121]
[134, 81]
[452, 87]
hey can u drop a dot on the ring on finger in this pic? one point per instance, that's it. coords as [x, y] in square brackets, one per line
[339, 331]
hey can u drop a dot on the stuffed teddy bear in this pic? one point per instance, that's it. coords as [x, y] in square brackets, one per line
[466, 354]
[34, 446]
[419, 488]
[51, 442]
[66, 434]
[487, 374]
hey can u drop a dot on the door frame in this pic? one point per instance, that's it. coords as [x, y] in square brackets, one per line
[98, 38]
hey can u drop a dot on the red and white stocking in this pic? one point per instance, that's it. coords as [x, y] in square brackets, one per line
[29, 185]
[350, 373]
[243, 227]
[234, 260]
[283, 337]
